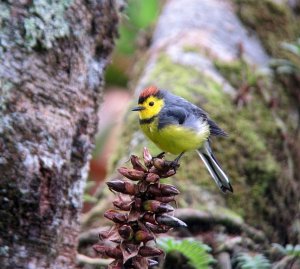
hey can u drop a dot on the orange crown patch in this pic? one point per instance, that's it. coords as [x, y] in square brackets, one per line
[151, 90]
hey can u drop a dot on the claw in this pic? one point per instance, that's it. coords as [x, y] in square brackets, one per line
[174, 164]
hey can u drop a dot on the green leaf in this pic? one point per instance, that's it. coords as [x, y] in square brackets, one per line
[89, 199]
[142, 13]
[195, 251]
[293, 48]
[125, 44]
[288, 250]
[247, 261]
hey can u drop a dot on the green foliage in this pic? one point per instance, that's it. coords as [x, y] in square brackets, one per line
[196, 252]
[46, 22]
[238, 72]
[273, 21]
[141, 14]
[292, 47]
[288, 250]
[247, 261]
[87, 198]
[293, 250]
[290, 65]
[116, 75]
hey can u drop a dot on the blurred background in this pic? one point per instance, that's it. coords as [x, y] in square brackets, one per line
[249, 51]
[135, 32]
[239, 60]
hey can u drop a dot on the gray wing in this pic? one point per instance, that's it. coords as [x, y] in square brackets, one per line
[176, 115]
[172, 115]
[215, 129]
[182, 110]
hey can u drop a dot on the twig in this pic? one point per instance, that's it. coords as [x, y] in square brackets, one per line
[82, 260]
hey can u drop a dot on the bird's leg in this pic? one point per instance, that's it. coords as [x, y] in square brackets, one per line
[178, 158]
[160, 155]
[175, 163]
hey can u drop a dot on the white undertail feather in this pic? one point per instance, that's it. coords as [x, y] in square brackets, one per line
[214, 168]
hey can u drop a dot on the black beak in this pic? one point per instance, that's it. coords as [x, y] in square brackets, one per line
[138, 108]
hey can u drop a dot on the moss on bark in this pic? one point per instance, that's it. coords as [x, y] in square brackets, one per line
[273, 23]
[41, 23]
[246, 155]
[255, 154]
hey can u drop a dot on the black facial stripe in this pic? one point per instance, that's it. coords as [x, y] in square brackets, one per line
[142, 99]
[147, 121]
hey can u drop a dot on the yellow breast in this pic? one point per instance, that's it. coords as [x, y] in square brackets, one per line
[176, 138]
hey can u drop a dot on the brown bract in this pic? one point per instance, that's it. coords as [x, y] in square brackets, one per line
[142, 212]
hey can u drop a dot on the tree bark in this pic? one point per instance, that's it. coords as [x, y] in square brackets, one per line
[53, 55]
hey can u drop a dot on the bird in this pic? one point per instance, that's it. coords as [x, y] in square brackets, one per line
[177, 126]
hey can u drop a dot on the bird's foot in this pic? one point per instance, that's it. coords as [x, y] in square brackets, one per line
[164, 165]
[174, 164]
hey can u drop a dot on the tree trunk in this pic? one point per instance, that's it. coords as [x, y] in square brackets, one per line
[53, 55]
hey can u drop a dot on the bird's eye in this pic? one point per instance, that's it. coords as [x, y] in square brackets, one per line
[151, 103]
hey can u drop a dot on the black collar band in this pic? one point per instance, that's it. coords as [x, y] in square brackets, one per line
[147, 121]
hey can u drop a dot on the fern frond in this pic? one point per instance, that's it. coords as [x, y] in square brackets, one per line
[289, 250]
[247, 261]
[196, 252]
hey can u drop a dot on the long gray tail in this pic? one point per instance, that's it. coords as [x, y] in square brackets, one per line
[214, 168]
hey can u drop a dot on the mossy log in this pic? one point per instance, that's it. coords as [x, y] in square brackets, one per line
[202, 51]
